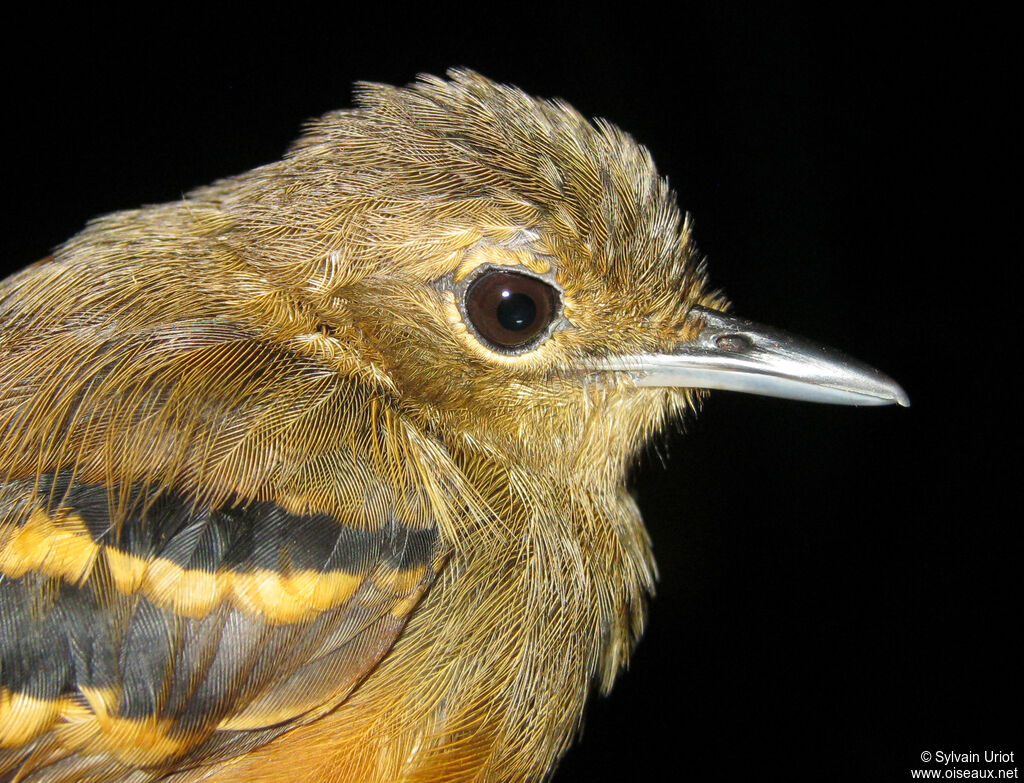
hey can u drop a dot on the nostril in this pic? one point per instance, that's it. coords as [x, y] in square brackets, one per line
[733, 343]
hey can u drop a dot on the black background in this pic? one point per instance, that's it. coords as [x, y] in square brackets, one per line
[839, 587]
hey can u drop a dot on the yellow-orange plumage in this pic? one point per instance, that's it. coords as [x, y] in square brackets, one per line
[275, 506]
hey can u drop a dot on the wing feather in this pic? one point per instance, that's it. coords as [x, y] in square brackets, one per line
[128, 670]
[213, 522]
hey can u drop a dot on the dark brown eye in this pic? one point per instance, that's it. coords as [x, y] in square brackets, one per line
[509, 310]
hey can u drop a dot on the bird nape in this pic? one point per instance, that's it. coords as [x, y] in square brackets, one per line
[319, 473]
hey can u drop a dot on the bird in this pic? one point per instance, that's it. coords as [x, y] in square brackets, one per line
[319, 473]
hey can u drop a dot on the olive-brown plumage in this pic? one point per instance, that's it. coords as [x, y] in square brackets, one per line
[319, 473]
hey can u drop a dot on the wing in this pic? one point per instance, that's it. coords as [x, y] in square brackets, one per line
[208, 534]
[183, 634]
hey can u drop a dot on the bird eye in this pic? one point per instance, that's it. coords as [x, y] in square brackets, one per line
[510, 310]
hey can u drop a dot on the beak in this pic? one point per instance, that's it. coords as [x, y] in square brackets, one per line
[738, 355]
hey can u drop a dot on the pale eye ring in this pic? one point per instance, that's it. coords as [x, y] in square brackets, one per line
[511, 311]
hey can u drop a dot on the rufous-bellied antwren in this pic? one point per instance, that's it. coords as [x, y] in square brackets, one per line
[319, 473]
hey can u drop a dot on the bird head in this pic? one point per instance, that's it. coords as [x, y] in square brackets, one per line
[511, 280]
[520, 278]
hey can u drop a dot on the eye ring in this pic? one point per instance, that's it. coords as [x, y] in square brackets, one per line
[509, 310]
